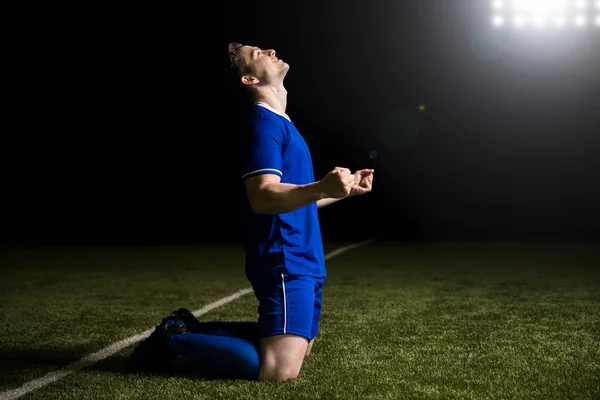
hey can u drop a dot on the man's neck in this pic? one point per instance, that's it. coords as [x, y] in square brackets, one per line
[276, 98]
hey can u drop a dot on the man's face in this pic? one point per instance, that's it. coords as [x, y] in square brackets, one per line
[265, 67]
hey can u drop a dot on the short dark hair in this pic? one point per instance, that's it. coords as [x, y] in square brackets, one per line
[238, 69]
[236, 60]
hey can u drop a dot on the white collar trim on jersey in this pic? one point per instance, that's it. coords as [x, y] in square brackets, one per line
[268, 107]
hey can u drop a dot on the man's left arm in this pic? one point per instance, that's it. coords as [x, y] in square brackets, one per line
[326, 201]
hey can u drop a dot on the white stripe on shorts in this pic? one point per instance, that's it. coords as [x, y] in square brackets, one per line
[284, 305]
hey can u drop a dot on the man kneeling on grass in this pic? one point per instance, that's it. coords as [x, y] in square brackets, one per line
[285, 262]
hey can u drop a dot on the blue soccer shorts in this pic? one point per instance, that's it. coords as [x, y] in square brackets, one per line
[289, 304]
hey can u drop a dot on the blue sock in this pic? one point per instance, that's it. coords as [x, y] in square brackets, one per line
[228, 356]
[243, 329]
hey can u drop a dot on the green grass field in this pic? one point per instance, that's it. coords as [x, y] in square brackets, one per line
[489, 320]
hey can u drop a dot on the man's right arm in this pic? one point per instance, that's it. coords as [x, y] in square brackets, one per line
[267, 195]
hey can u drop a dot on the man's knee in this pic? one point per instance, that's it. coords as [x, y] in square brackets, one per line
[282, 357]
[278, 374]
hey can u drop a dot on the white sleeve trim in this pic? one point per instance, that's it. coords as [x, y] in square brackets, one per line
[263, 170]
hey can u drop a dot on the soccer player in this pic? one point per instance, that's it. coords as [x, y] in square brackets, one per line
[284, 251]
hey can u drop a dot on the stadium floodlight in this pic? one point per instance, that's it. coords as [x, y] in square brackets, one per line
[539, 21]
[539, 14]
[559, 21]
[497, 21]
[580, 21]
[518, 21]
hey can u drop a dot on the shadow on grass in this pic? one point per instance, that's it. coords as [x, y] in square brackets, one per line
[180, 367]
[18, 366]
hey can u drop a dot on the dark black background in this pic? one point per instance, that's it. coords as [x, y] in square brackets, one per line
[122, 123]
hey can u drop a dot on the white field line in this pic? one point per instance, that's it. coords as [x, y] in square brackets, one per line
[346, 248]
[118, 346]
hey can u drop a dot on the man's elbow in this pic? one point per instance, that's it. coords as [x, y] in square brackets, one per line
[258, 207]
[259, 203]
[262, 201]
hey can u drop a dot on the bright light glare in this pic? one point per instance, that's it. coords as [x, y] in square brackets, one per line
[518, 21]
[534, 5]
[559, 22]
[541, 14]
[539, 21]
[580, 21]
[498, 21]
[559, 5]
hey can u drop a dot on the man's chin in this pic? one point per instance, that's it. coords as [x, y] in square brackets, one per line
[284, 69]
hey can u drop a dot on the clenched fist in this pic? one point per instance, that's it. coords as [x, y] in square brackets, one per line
[338, 183]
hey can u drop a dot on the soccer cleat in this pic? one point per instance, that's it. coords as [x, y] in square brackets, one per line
[189, 319]
[153, 353]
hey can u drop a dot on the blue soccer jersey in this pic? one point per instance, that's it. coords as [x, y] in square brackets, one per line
[287, 243]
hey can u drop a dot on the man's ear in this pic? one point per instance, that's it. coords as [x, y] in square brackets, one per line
[249, 80]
